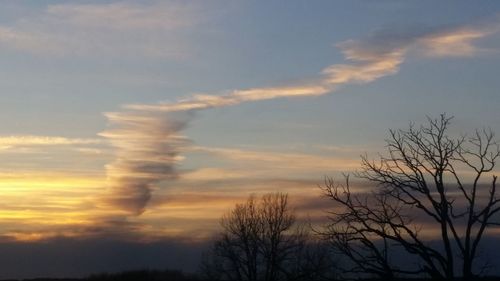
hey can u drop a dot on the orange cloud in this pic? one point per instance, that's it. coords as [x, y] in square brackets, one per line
[456, 43]
[286, 161]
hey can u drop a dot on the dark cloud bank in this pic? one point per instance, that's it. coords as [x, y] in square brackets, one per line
[63, 257]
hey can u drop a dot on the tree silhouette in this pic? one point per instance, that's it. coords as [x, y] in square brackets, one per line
[260, 240]
[428, 182]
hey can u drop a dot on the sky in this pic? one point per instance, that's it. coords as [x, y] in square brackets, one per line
[128, 122]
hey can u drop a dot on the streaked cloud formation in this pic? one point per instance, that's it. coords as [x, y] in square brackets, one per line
[121, 28]
[284, 161]
[149, 137]
[29, 140]
[369, 59]
[148, 150]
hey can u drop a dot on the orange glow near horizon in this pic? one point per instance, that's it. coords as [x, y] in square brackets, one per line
[39, 206]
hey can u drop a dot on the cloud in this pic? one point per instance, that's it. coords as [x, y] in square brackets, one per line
[202, 101]
[332, 77]
[379, 55]
[31, 144]
[38, 204]
[56, 258]
[288, 161]
[186, 210]
[31, 140]
[123, 16]
[78, 258]
[150, 29]
[443, 41]
[456, 43]
[149, 147]
[216, 174]
[150, 140]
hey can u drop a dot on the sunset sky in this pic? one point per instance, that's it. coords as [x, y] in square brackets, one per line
[147, 120]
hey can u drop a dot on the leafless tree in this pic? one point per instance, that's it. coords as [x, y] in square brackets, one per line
[428, 181]
[260, 240]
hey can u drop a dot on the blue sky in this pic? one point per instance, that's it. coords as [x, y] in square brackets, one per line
[154, 117]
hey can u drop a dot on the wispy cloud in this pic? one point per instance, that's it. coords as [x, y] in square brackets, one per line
[47, 202]
[122, 28]
[369, 59]
[203, 101]
[455, 43]
[362, 71]
[28, 140]
[38, 144]
[287, 161]
[149, 147]
[149, 139]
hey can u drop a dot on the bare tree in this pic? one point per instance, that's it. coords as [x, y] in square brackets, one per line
[360, 231]
[276, 219]
[260, 240]
[427, 181]
[237, 248]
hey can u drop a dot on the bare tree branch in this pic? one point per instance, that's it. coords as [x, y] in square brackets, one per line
[426, 175]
